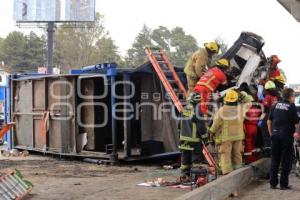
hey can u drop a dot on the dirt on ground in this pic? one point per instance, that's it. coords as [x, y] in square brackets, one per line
[71, 180]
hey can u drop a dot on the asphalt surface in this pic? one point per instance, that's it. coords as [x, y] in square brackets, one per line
[260, 190]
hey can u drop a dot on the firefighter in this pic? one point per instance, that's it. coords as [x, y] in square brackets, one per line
[210, 81]
[274, 71]
[228, 131]
[271, 97]
[251, 130]
[191, 133]
[274, 75]
[282, 122]
[197, 63]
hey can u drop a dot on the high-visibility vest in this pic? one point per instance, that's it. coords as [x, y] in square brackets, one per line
[212, 79]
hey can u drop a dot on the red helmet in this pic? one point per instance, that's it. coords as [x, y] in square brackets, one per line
[274, 59]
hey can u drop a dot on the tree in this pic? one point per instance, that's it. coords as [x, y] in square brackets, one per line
[1, 49]
[73, 47]
[21, 52]
[184, 45]
[85, 45]
[162, 37]
[106, 51]
[36, 50]
[176, 43]
[14, 51]
[136, 54]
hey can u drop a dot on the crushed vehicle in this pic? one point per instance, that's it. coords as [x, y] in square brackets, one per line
[49, 124]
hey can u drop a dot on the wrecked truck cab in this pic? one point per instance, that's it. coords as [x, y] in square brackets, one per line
[248, 61]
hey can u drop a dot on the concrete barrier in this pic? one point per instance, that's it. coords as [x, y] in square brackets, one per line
[221, 188]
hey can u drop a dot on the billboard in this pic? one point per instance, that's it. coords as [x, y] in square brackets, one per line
[54, 10]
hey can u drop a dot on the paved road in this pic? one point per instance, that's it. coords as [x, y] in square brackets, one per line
[260, 190]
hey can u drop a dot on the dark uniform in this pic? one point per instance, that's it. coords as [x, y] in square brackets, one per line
[284, 118]
[192, 130]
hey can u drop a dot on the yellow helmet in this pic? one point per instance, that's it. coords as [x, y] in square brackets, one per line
[249, 98]
[245, 98]
[270, 85]
[231, 96]
[224, 63]
[212, 47]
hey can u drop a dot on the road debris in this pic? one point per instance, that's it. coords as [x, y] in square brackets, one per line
[14, 153]
[167, 167]
[12, 185]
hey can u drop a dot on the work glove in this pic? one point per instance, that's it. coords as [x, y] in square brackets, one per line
[205, 138]
[260, 92]
[260, 122]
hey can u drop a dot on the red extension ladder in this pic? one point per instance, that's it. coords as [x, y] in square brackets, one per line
[163, 67]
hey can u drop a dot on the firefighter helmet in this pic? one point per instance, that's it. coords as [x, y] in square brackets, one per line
[212, 47]
[245, 98]
[274, 59]
[223, 63]
[270, 85]
[231, 96]
[249, 98]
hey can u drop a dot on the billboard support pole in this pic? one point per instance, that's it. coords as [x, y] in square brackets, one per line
[50, 31]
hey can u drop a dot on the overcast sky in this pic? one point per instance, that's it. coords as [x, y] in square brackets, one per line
[204, 19]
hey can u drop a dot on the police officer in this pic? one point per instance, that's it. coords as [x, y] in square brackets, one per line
[283, 120]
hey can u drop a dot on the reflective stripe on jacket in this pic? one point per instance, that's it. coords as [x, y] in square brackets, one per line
[191, 128]
[212, 79]
[228, 123]
[188, 131]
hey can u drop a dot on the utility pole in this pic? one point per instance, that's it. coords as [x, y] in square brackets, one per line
[50, 31]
